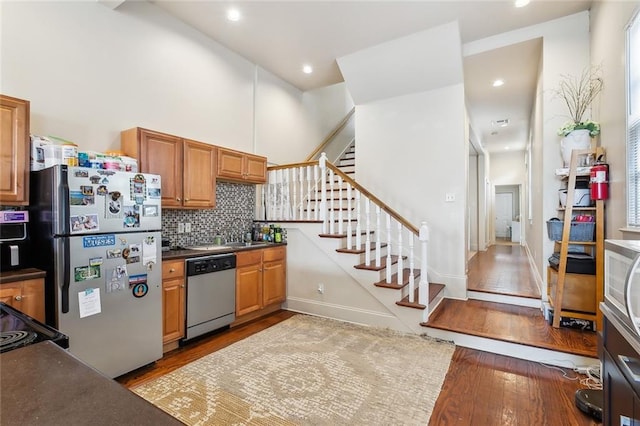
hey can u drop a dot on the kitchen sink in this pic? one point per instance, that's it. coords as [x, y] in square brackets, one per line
[209, 248]
[241, 244]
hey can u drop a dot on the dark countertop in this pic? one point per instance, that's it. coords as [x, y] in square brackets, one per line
[184, 254]
[42, 384]
[21, 275]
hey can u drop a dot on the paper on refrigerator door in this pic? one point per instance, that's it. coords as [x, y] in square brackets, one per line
[89, 302]
[149, 251]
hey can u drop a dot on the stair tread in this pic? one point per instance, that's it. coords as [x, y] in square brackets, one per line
[359, 251]
[383, 263]
[434, 290]
[394, 280]
[353, 234]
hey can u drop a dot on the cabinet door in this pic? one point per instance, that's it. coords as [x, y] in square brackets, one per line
[230, 164]
[173, 306]
[26, 296]
[618, 395]
[248, 289]
[274, 282]
[255, 169]
[199, 174]
[14, 149]
[161, 154]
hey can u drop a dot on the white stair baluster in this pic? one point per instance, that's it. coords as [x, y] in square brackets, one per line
[323, 198]
[349, 228]
[412, 277]
[367, 242]
[284, 193]
[331, 205]
[294, 193]
[271, 201]
[340, 224]
[378, 236]
[309, 168]
[301, 171]
[388, 268]
[423, 288]
[358, 222]
[400, 267]
[316, 213]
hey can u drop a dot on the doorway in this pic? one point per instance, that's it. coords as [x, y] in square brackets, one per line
[507, 214]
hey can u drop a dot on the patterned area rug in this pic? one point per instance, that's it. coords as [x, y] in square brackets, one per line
[309, 371]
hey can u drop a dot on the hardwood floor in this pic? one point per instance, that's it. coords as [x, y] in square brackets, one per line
[502, 269]
[480, 388]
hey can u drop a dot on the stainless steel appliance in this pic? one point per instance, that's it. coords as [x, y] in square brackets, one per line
[96, 234]
[622, 287]
[14, 239]
[211, 293]
[18, 330]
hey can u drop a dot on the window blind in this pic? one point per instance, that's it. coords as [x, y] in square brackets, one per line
[633, 122]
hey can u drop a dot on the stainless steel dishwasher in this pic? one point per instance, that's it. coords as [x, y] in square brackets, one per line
[211, 293]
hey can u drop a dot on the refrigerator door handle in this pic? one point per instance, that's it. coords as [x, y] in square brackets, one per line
[66, 276]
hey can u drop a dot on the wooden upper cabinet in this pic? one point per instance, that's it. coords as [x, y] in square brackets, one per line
[187, 167]
[199, 174]
[241, 167]
[14, 151]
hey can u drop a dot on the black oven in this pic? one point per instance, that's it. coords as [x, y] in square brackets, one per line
[18, 330]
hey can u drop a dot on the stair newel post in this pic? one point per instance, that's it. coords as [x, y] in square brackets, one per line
[308, 175]
[358, 222]
[316, 213]
[294, 192]
[423, 288]
[331, 206]
[400, 267]
[412, 265]
[323, 197]
[367, 242]
[349, 227]
[388, 268]
[340, 214]
[378, 234]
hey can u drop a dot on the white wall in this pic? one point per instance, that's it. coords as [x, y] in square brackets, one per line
[411, 152]
[90, 72]
[608, 20]
[508, 168]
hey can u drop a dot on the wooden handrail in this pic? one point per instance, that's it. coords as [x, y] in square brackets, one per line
[331, 135]
[292, 165]
[375, 199]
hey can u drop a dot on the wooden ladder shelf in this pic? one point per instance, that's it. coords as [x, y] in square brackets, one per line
[596, 247]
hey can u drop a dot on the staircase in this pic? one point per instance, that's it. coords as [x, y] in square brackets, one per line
[354, 230]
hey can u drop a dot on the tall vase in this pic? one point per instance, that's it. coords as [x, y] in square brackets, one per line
[578, 139]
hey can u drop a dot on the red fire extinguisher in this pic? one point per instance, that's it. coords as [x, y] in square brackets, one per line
[599, 181]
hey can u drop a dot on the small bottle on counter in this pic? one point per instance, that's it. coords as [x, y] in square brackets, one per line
[277, 234]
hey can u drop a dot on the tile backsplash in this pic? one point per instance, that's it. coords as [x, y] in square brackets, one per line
[232, 217]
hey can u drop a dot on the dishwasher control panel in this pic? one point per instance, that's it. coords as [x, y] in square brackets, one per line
[209, 264]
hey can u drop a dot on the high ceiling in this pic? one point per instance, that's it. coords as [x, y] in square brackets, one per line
[281, 36]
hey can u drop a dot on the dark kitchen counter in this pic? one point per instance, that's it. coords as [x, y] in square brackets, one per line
[21, 275]
[42, 384]
[184, 253]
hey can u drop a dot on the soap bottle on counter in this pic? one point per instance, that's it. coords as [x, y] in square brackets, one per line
[217, 239]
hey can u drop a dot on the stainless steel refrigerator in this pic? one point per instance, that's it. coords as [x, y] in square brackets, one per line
[96, 233]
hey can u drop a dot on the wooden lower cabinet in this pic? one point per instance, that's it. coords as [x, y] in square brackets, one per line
[173, 303]
[261, 282]
[26, 296]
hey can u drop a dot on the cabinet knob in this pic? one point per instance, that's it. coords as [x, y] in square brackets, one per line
[182, 286]
[186, 199]
[172, 270]
[18, 298]
[178, 199]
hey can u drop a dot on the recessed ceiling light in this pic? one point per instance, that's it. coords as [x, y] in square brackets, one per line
[497, 83]
[233, 15]
[506, 147]
[522, 3]
[307, 69]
